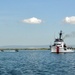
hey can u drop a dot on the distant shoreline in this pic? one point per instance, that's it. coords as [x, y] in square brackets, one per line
[2, 49]
[17, 49]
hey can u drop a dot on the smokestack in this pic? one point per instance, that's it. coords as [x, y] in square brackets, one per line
[60, 34]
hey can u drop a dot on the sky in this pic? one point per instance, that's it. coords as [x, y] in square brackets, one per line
[36, 22]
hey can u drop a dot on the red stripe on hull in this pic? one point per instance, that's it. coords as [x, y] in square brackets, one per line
[57, 49]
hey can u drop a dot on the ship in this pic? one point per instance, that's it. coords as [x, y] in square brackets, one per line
[59, 46]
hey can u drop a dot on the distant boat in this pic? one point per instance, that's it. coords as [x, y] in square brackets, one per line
[59, 45]
[8, 50]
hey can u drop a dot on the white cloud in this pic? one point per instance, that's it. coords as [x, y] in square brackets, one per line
[70, 20]
[32, 20]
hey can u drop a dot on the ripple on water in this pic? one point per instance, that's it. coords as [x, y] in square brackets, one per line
[37, 63]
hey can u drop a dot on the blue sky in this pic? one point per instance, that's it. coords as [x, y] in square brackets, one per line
[35, 22]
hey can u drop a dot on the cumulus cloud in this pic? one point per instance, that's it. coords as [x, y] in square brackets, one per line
[70, 20]
[32, 20]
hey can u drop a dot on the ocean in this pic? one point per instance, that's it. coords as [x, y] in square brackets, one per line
[37, 62]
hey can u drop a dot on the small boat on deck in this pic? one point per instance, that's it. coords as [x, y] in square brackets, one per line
[59, 45]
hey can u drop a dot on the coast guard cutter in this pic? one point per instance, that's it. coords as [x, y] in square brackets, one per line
[59, 45]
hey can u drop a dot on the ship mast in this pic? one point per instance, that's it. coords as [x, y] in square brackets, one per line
[60, 35]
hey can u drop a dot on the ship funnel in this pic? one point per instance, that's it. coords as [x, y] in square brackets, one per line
[60, 35]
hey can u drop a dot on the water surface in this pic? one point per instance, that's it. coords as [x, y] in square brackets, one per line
[36, 62]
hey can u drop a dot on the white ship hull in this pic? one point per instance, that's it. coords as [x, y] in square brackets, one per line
[54, 49]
